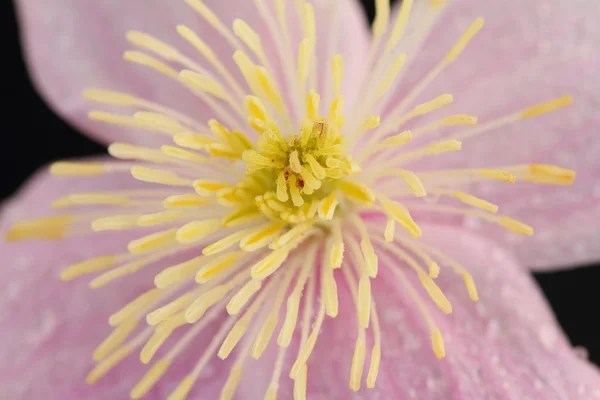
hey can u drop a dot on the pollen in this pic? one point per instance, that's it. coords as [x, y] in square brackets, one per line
[288, 197]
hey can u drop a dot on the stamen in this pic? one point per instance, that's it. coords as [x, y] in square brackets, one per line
[264, 335]
[531, 112]
[368, 253]
[437, 342]
[159, 176]
[506, 222]
[358, 193]
[133, 307]
[401, 215]
[427, 282]
[49, 228]
[547, 107]
[268, 265]
[161, 314]
[113, 359]
[410, 178]
[70, 168]
[239, 300]
[207, 52]
[399, 26]
[90, 266]
[206, 84]
[117, 336]
[376, 349]
[329, 293]
[390, 75]
[152, 241]
[186, 201]
[309, 345]
[382, 17]
[178, 273]
[543, 173]
[241, 326]
[390, 230]
[337, 248]
[151, 62]
[214, 267]
[130, 267]
[337, 71]
[293, 301]
[224, 243]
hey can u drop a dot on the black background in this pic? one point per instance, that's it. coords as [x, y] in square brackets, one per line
[572, 294]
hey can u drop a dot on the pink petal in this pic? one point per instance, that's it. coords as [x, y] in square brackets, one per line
[528, 52]
[495, 349]
[72, 45]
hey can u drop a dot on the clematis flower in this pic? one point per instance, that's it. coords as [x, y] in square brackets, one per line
[296, 209]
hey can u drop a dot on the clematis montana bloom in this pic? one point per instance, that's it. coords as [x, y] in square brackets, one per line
[293, 206]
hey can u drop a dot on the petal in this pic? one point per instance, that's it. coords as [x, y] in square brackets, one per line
[506, 346]
[71, 46]
[527, 53]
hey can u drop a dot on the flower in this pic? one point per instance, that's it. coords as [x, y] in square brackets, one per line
[282, 197]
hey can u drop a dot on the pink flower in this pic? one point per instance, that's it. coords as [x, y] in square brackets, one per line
[339, 250]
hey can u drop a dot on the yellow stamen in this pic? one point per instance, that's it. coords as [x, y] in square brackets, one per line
[161, 314]
[358, 193]
[216, 266]
[337, 72]
[270, 263]
[399, 25]
[224, 243]
[547, 107]
[243, 295]
[382, 17]
[390, 75]
[108, 363]
[158, 176]
[307, 348]
[547, 174]
[358, 362]
[152, 376]
[71, 168]
[117, 336]
[401, 215]
[197, 230]
[178, 273]
[183, 389]
[364, 301]
[515, 226]
[90, 266]
[151, 62]
[133, 307]
[398, 140]
[437, 342]
[390, 230]
[152, 242]
[49, 228]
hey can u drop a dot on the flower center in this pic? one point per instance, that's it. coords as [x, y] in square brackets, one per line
[292, 176]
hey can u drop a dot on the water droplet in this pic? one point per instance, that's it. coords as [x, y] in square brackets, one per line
[581, 352]
[493, 329]
[412, 342]
[472, 222]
